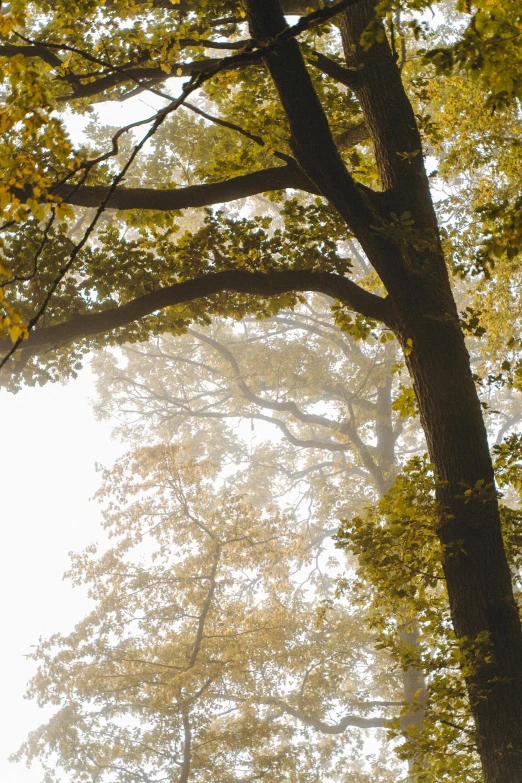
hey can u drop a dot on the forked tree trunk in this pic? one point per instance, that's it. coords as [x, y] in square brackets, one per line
[409, 260]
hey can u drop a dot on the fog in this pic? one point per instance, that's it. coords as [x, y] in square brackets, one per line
[51, 442]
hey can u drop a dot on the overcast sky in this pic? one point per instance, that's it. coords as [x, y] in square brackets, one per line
[50, 442]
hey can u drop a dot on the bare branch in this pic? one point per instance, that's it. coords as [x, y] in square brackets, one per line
[303, 443]
[288, 406]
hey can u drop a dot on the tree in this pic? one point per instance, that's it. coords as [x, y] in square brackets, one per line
[207, 664]
[316, 686]
[395, 226]
[195, 391]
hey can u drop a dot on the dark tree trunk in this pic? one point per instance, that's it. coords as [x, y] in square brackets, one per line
[409, 260]
[475, 565]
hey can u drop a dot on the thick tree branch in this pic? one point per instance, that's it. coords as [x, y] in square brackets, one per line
[263, 181]
[350, 77]
[41, 52]
[256, 283]
[311, 139]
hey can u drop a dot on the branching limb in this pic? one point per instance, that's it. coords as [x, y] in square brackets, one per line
[244, 186]
[287, 406]
[350, 77]
[329, 728]
[311, 139]
[302, 443]
[256, 283]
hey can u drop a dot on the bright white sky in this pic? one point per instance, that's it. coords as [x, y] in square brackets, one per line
[50, 442]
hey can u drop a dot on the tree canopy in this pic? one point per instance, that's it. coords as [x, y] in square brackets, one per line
[286, 156]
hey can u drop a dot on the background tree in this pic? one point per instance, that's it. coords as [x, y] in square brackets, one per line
[209, 663]
[197, 390]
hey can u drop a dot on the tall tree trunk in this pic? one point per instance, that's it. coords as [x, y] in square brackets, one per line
[414, 694]
[408, 258]
[477, 574]
[474, 560]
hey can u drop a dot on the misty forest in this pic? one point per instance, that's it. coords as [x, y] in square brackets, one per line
[286, 238]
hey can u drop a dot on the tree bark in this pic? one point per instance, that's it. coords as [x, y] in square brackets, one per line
[407, 254]
[474, 561]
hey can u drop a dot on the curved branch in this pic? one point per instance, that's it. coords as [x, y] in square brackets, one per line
[303, 443]
[143, 75]
[287, 406]
[263, 181]
[256, 283]
[329, 728]
[36, 50]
